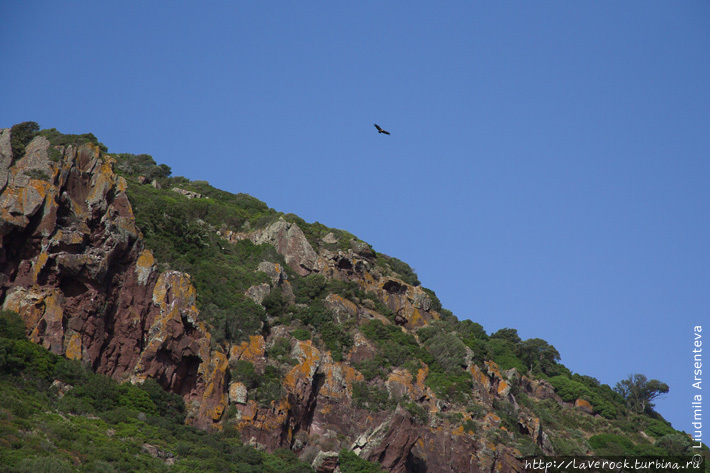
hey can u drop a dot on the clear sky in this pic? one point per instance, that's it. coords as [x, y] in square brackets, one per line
[548, 167]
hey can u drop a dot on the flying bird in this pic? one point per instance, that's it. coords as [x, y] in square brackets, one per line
[380, 130]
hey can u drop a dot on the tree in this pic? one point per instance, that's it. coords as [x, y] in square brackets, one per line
[638, 392]
[20, 136]
[509, 334]
[537, 353]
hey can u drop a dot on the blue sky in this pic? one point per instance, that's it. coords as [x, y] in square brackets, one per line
[547, 170]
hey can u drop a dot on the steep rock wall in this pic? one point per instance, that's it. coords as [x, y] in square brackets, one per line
[74, 266]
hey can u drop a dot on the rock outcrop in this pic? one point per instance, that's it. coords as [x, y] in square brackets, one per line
[74, 265]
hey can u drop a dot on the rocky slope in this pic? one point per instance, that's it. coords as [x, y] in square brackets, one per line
[75, 266]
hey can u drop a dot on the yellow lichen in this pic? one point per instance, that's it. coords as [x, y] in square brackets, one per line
[249, 351]
[144, 266]
[73, 350]
[38, 265]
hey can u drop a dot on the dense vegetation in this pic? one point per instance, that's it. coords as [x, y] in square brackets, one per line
[183, 233]
[98, 425]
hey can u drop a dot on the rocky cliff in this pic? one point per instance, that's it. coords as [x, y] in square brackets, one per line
[75, 266]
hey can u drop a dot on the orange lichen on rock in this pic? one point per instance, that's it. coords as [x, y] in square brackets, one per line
[416, 319]
[492, 369]
[214, 397]
[480, 378]
[309, 359]
[41, 310]
[145, 265]
[339, 379]
[503, 388]
[38, 265]
[491, 421]
[73, 349]
[583, 405]
[248, 351]
[459, 431]
[340, 306]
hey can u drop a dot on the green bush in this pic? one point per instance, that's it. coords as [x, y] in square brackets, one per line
[11, 325]
[270, 386]
[435, 302]
[570, 390]
[335, 339]
[504, 354]
[659, 428]
[676, 444]
[141, 165]
[395, 346]
[44, 465]
[70, 371]
[349, 462]
[372, 398]
[417, 411]
[243, 371]
[453, 388]
[405, 272]
[23, 356]
[310, 288]
[611, 445]
[60, 139]
[446, 347]
[301, 334]
[20, 136]
[275, 303]
[136, 399]
[169, 405]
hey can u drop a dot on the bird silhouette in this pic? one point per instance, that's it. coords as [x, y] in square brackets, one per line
[380, 130]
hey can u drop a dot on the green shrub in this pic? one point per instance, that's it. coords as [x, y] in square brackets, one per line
[243, 371]
[136, 399]
[658, 428]
[435, 302]
[275, 303]
[11, 325]
[44, 465]
[301, 334]
[372, 398]
[20, 136]
[141, 165]
[349, 462]
[373, 368]
[23, 356]
[395, 346]
[310, 288]
[70, 371]
[446, 347]
[570, 390]
[504, 354]
[417, 411]
[335, 339]
[405, 272]
[469, 426]
[611, 445]
[453, 388]
[279, 350]
[270, 386]
[169, 405]
[676, 444]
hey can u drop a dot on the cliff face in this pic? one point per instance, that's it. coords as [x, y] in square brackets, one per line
[75, 267]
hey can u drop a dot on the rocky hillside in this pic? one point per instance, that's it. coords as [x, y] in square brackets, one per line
[295, 335]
